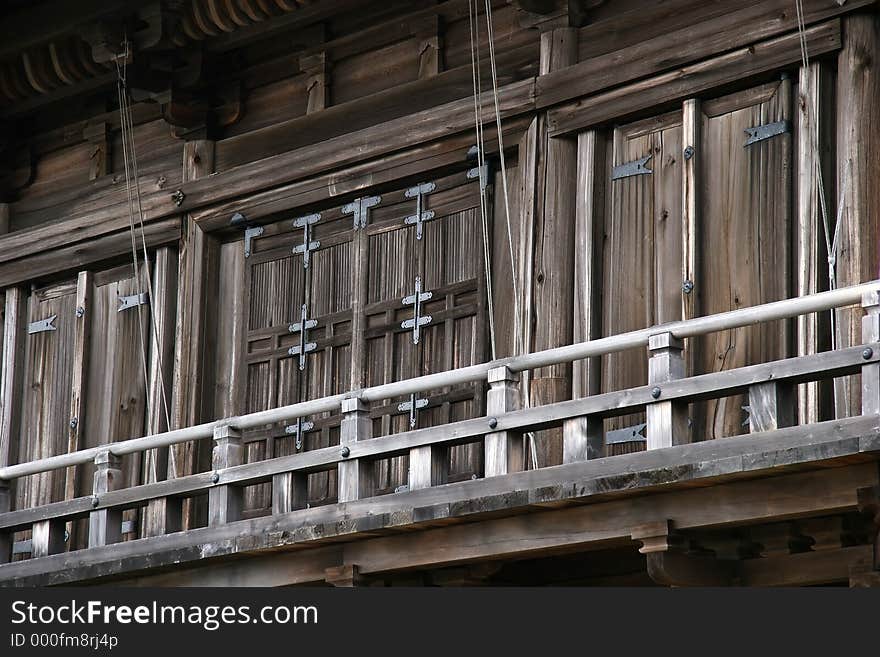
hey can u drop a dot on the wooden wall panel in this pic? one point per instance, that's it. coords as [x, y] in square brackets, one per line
[642, 249]
[745, 241]
[46, 398]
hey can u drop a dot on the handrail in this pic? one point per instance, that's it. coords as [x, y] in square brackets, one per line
[775, 310]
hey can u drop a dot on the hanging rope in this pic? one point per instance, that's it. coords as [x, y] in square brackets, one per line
[135, 205]
[831, 235]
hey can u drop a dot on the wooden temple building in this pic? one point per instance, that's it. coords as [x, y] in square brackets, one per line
[440, 292]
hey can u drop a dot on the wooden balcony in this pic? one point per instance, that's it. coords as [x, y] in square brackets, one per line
[682, 502]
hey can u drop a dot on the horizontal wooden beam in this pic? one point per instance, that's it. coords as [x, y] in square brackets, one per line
[688, 81]
[605, 522]
[805, 568]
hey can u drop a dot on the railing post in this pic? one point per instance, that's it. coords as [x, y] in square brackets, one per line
[225, 500]
[5, 536]
[666, 420]
[503, 449]
[47, 537]
[164, 516]
[356, 476]
[871, 335]
[105, 525]
[771, 406]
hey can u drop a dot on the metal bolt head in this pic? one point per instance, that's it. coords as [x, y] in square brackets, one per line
[80, 311]
[493, 422]
[655, 392]
[95, 500]
[345, 452]
[215, 477]
[73, 422]
[868, 353]
[688, 152]
[687, 287]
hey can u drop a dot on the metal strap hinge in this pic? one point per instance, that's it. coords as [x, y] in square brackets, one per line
[631, 434]
[413, 406]
[482, 173]
[47, 324]
[132, 301]
[635, 168]
[308, 245]
[360, 208]
[418, 320]
[422, 215]
[249, 235]
[762, 132]
[298, 430]
[302, 327]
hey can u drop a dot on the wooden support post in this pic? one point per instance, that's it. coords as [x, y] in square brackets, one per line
[6, 537]
[163, 515]
[553, 289]
[692, 120]
[81, 341]
[47, 537]
[858, 151]
[356, 476]
[316, 68]
[771, 406]
[667, 420]
[290, 491]
[427, 32]
[195, 299]
[813, 121]
[871, 372]
[105, 525]
[428, 466]
[225, 501]
[13, 365]
[589, 235]
[583, 438]
[503, 449]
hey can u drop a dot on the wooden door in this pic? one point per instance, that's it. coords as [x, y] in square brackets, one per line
[641, 251]
[744, 238]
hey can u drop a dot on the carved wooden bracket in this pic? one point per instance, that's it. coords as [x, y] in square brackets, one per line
[669, 564]
[346, 575]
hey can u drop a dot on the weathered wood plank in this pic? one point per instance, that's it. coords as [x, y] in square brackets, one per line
[503, 450]
[14, 319]
[667, 420]
[668, 88]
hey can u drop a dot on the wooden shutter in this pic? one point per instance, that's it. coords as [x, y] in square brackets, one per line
[641, 251]
[744, 240]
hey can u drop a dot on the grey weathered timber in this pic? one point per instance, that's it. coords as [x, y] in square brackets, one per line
[47, 537]
[225, 500]
[871, 371]
[583, 438]
[6, 537]
[163, 515]
[666, 419]
[503, 450]
[105, 524]
[356, 475]
[13, 366]
[290, 491]
[771, 406]
[826, 364]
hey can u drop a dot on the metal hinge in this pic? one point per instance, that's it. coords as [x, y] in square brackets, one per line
[482, 173]
[132, 301]
[421, 216]
[413, 406]
[308, 244]
[360, 208]
[634, 168]
[762, 132]
[302, 327]
[418, 320]
[249, 235]
[298, 430]
[47, 324]
[631, 434]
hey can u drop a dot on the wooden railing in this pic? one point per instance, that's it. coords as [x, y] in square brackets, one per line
[665, 401]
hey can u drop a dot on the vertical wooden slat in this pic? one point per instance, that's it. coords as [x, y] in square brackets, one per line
[196, 256]
[771, 406]
[858, 151]
[589, 229]
[667, 420]
[503, 449]
[316, 68]
[47, 537]
[162, 515]
[427, 32]
[6, 536]
[871, 373]
[691, 122]
[813, 151]
[10, 384]
[105, 525]
[554, 253]
[81, 345]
